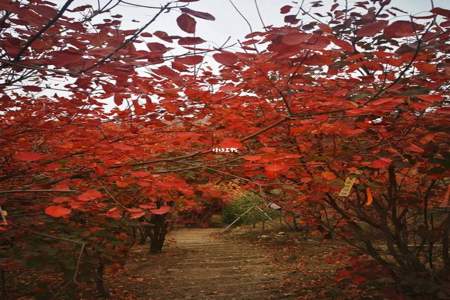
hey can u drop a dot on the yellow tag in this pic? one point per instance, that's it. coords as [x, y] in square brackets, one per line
[348, 184]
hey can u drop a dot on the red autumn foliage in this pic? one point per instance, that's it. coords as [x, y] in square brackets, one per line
[361, 95]
[186, 23]
[57, 211]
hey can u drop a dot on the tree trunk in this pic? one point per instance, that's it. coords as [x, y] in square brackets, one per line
[158, 233]
[3, 284]
[99, 280]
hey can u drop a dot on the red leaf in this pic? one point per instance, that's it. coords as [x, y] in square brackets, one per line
[114, 213]
[90, 195]
[44, 10]
[163, 35]
[320, 60]
[342, 44]
[122, 147]
[328, 175]
[426, 68]
[276, 167]
[171, 107]
[190, 41]
[295, 38]
[161, 211]
[190, 60]
[198, 14]
[387, 102]
[66, 57]
[441, 11]
[380, 163]
[285, 9]
[372, 28]
[342, 274]
[291, 156]
[414, 148]
[80, 8]
[147, 206]
[157, 47]
[430, 98]
[118, 99]
[230, 143]
[427, 138]
[166, 72]
[400, 29]
[291, 19]
[140, 174]
[28, 156]
[179, 66]
[31, 88]
[358, 279]
[252, 157]
[136, 213]
[61, 199]
[273, 170]
[61, 186]
[225, 58]
[144, 183]
[57, 211]
[186, 23]
[122, 184]
[325, 28]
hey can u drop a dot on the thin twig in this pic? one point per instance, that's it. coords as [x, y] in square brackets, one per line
[57, 237]
[403, 72]
[259, 15]
[113, 198]
[43, 29]
[151, 7]
[125, 43]
[242, 15]
[37, 191]
[77, 266]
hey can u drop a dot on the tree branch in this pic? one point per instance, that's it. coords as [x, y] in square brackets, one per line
[43, 29]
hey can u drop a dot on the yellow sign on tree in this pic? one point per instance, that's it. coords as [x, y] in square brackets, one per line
[348, 184]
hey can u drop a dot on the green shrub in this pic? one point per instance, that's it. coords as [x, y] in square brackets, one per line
[240, 205]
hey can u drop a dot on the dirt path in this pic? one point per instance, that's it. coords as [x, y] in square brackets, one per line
[197, 265]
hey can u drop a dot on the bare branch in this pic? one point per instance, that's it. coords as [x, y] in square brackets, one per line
[36, 191]
[242, 15]
[259, 14]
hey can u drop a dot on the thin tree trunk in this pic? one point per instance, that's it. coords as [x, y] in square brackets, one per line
[100, 281]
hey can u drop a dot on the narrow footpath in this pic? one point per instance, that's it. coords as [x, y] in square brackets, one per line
[196, 264]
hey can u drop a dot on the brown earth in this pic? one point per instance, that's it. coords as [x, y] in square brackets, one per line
[245, 264]
[199, 264]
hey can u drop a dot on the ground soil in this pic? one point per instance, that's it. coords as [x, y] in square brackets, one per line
[207, 264]
[198, 264]
[245, 263]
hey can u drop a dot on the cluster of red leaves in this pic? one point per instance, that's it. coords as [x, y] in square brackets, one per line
[319, 102]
